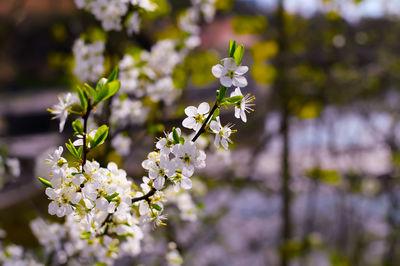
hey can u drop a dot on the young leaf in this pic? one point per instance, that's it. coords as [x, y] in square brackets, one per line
[77, 126]
[238, 55]
[157, 207]
[72, 149]
[80, 151]
[92, 91]
[45, 182]
[106, 91]
[221, 94]
[232, 48]
[100, 84]
[215, 114]
[99, 137]
[175, 135]
[83, 98]
[110, 197]
[114, 74]
[112, 88]
[233, 99]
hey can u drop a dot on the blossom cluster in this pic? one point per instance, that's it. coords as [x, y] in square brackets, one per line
[12, 255]
[105, 211]
[143, 74]
[87, 198]
[113, 14]
[89, 60]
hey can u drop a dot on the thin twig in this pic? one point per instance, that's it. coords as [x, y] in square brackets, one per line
[205, 122]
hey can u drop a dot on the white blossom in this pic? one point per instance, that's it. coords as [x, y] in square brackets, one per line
[62, 108]
[221, 133]
[245, 105]
[133, 24]
[163, 89]
[195, 116]
[121, 144]
[229, 73]
[89, 60]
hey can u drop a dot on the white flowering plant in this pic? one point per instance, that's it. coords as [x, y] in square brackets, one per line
[106, 214]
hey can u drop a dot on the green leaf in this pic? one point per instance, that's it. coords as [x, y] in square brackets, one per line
[45, 182]
[114, 74]
[100, 84]
[80, 151]
[92, 91]
[110, 197]
[238, 55]
[221, 94]
[100, 136]
[83, 98]
[232, 47]
[106, 91]
[157, 207]
[233, 99]
[215, 114]
[112, 87]
[175, 135]
[181, 140]
[77, 126]
[72, 149]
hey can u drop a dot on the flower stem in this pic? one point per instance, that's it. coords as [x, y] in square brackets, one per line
[201, 130]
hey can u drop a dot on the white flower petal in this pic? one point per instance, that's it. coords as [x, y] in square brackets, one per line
[241, 70]
[53, 207]
[217, 70]
[62, 122]
[75, 198]
[229, 63]
[216, 140]
[237, 112]
[78, 142]
[186, 183]
[60, 212]
[143, 208]
[243, 116]
[215, 126]
[204, 108]
[159, 183]
[224, 143]
[197, 127]
[226, 81]
[239, 81]
[191, 111]
[236, 92]
[189, 122]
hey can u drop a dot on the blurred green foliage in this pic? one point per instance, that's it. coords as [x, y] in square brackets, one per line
[249, 24]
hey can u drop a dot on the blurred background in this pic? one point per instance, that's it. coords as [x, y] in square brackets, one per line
[313, 178]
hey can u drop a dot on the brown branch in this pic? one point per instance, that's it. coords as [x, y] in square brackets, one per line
[85, 121]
